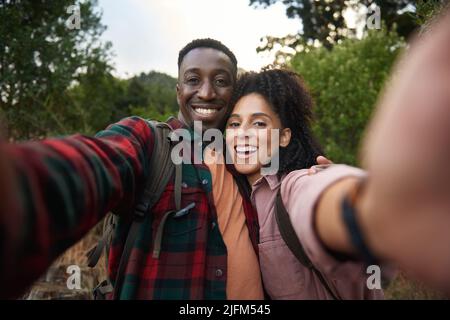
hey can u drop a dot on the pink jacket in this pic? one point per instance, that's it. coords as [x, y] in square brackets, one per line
[283, 276]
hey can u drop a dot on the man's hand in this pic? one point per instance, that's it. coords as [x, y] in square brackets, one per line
[407, 154]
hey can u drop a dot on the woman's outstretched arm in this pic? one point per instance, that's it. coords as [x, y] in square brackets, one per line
[404, 208]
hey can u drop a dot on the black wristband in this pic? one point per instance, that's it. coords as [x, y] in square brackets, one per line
[356, 236]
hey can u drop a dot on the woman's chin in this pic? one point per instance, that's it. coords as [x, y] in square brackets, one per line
[248, 169]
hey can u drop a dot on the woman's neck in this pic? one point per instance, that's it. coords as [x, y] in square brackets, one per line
[252, 178]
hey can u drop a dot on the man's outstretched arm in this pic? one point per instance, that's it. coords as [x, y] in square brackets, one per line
[54, 191]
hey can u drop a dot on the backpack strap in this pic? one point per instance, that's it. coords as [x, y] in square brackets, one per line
[94, 254]
[177, 213]
[161, 170]
[292, 241]
[178, 176]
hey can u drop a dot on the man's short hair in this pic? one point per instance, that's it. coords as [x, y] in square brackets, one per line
[207, 43]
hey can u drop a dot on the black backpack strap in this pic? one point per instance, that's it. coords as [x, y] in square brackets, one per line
[161, 170]
[292, 241]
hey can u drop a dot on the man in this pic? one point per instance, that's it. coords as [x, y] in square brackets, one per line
[65, 186]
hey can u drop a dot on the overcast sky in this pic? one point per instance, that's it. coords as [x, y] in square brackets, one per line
[147, 34]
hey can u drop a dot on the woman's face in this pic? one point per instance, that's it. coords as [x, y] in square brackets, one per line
[249, 133]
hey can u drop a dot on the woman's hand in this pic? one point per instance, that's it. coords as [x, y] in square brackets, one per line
[406, 203]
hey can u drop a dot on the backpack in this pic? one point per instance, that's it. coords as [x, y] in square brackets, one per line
[292, 241]
[161, 171]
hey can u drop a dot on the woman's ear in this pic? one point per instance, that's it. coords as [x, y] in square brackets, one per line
[285, 137]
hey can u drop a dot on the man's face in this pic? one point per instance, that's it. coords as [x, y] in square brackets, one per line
[205, 85]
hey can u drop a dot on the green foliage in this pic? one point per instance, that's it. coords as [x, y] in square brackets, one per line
[154, 90]
[151, 113]
[323, 20]
[40, 58]
[427, 9]
[101, 100]
[55, 80]
[97, 100]
[345, 83]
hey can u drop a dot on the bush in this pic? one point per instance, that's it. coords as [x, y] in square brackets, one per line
[345, 83]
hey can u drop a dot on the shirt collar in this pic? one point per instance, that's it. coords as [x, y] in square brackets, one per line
[272, 180]
[175, 124]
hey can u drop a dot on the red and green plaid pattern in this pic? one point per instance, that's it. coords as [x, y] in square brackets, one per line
[65, 186]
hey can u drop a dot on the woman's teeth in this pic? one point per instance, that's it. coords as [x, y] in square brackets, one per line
[206, 110]
[245, 150]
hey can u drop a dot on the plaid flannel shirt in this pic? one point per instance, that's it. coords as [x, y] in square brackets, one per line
[62, 187]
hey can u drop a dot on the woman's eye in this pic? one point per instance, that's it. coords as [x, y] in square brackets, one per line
[260, 124]
[233, 124]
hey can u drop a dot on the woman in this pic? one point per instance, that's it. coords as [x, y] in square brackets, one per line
[275, 102]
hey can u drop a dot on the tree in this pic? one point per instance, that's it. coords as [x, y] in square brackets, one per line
[427, 9]
[41, 56]
[323, 20]
[345, 83]
[102, 98]
[152, 95]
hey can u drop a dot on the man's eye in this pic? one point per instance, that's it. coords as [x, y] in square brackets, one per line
[192, 81]
[221, 82]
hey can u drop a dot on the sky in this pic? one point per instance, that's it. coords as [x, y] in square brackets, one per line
[148, 34]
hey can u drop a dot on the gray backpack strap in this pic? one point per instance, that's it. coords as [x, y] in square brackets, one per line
[178, 177]
[161, 170]
[177, 213]
[160, 173]
[292, 241]
[94, 254]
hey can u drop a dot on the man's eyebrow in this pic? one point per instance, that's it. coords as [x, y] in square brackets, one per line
[198, 70]
[191, 70]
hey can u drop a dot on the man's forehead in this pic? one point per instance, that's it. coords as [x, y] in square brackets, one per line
[207, 59]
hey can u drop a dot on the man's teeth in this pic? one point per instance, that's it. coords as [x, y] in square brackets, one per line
[205, 110]
[246, 149]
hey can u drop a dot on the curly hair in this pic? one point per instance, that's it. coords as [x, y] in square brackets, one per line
[289, 98]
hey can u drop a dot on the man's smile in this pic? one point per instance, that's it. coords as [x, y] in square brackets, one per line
[206, 109]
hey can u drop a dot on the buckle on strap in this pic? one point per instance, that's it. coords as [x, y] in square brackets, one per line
[184, 211]
[140, 210]
[159, 231]
[102, 289]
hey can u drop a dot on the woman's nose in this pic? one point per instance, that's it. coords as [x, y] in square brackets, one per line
[246, 135]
